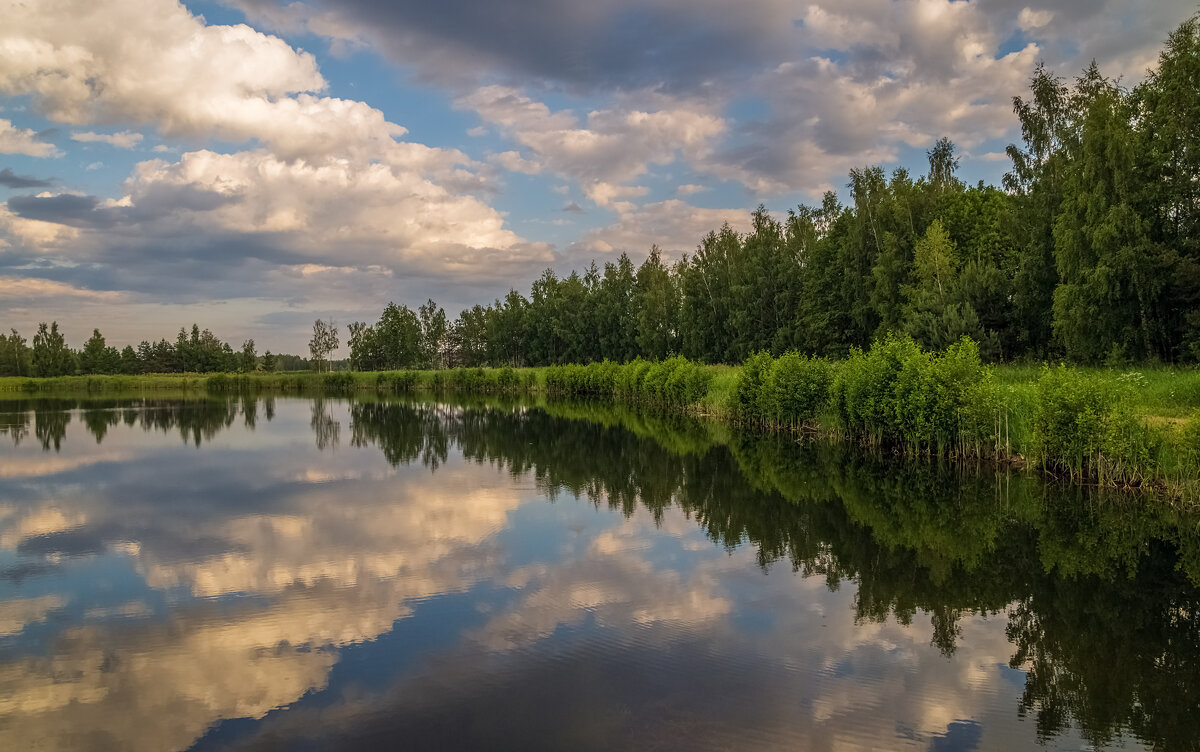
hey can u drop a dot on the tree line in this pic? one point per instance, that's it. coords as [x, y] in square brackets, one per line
[198, 352]
[1088, 252]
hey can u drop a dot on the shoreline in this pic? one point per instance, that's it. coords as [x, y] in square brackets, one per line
[1068, 424]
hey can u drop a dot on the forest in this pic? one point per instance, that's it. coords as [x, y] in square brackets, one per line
[1088, 253]
[198, 352]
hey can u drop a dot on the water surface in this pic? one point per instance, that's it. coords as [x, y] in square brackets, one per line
[306, 574]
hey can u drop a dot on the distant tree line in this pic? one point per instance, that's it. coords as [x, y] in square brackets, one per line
[197, 352]
[1089, 252]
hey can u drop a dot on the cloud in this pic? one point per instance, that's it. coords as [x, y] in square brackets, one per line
[63, 208]
[845, 83]
[15, 140]
[186, 79]
[10, 179]
[606, 45]
[122, 140]
[674, 226]
[325, 181]
[608, 148]
[514, 162]
[1030, 19]
[249, 223]
[15, 614]
[889, 75]
[18, 234]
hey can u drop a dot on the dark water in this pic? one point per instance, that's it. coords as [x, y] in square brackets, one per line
[314, 574]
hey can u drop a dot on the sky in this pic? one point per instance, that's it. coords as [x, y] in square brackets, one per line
[251, 165]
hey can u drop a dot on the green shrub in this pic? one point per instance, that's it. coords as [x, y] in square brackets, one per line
[698, 379]
[399, 382]
[863, 393]
[1085, 425]
[341, 381]
[217, 384]
[1189, 441]
[629, 378]
[800, 387]
[750, 404]
[506, 379]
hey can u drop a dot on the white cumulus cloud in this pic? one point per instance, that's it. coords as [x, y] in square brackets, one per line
[122, 140]
[15, 140]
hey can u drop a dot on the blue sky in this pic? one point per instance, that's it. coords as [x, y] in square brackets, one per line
[253, 164]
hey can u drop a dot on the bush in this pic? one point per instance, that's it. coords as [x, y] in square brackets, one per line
[863, 393]
[1190, 440]
[752, 401]
[341, 381]
[800, 388]
[629, 378]
[1084, 425]
[506, 379]
[399, 382]
[897, 393]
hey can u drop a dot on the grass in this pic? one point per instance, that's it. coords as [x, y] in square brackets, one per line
[1113, 426]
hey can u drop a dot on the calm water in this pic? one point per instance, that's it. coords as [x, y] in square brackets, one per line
[312, 574]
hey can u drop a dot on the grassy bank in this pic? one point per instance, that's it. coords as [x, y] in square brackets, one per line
[1116, 427]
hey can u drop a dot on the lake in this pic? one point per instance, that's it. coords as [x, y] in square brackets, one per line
[287, 573]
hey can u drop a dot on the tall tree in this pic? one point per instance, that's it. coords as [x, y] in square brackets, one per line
[433, 333]
[15, 356]
[1167, 111]
[706, 290]
[754, 317]
[324, 341]
[248, 358]
[399, 337]
[129, 364]
[1036, 181]
[50, 355]
[615, 312]
[657, 308]
[92, 359]
[1113, 276]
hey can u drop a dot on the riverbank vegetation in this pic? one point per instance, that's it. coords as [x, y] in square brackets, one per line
[1116, 427]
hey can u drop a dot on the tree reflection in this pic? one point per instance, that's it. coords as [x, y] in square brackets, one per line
[50, 426]
[1099, 589]
[326, 428]
[15, 425]
[197, 421]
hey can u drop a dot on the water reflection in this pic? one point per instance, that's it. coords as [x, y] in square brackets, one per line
[414, 582]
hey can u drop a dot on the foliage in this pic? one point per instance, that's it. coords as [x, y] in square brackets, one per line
[324, 341]
[1085, 426]
[674, 382]
[50, 355]
[799, 388]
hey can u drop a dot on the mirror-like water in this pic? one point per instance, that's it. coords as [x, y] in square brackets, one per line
[310, 574]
